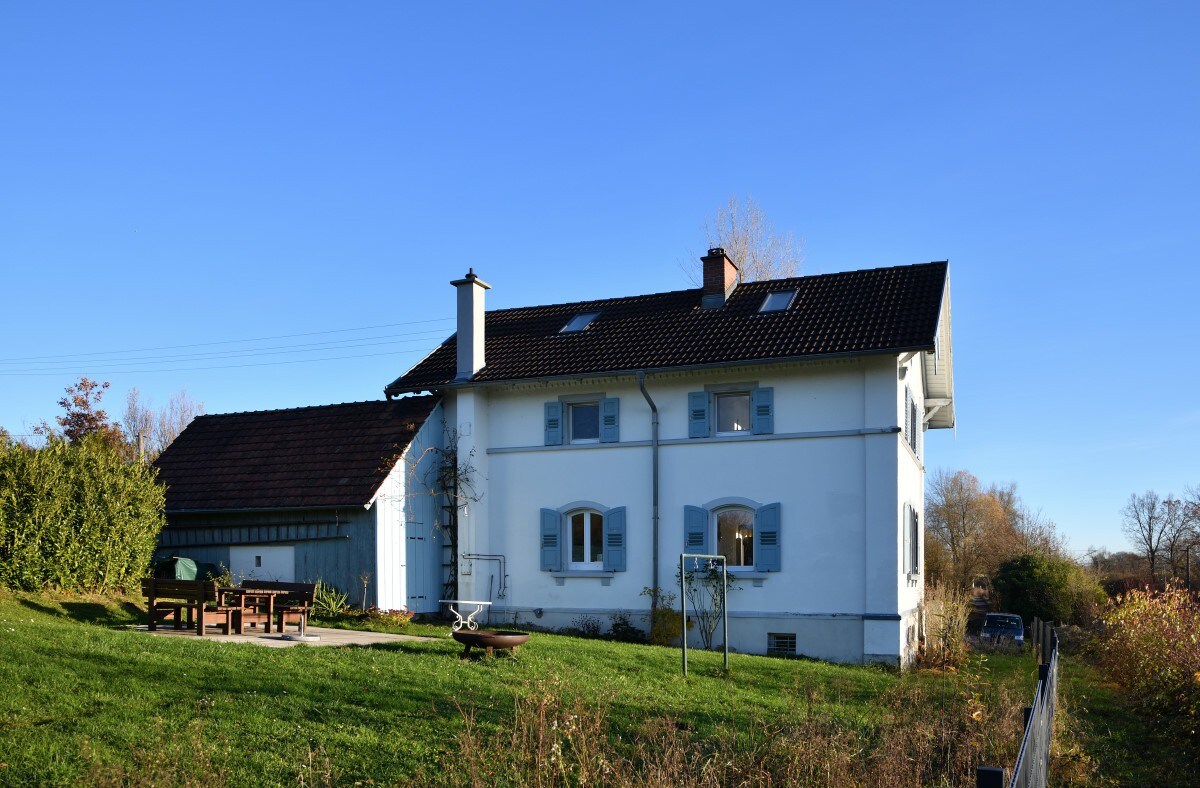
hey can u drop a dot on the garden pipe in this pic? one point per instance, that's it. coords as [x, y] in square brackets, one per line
[641, 379]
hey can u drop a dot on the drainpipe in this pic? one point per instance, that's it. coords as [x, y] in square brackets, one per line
[641, 379]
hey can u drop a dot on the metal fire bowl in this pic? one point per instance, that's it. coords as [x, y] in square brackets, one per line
[486, 638]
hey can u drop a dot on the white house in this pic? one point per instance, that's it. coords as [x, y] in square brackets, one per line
[778, 423]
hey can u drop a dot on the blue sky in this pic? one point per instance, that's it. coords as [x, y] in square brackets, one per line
[179, 175]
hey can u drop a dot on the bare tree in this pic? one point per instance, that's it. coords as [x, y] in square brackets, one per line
[138, 421]
[1145, 524]
[1176, 531]
[158, 427]
[751, 241]
[174, 418]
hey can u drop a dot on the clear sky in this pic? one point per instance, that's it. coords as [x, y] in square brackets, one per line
[178, 175]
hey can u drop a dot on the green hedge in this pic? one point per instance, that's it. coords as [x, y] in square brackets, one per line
[75, 516]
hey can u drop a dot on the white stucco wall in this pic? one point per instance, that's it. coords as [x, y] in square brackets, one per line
[834, 463]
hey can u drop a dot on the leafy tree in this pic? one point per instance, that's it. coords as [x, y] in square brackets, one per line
[751, 241]
[1053, 589]
[83, 416]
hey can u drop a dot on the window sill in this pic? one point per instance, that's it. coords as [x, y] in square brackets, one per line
[749, 574]
[560, 578]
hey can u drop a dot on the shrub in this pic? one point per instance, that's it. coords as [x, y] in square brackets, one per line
[665, 621]
[392, 618]
[622, 629]
[76, 516]
[946, 609]
[328, 602]
[1149, 643]
[1052, 589]
[585, 626]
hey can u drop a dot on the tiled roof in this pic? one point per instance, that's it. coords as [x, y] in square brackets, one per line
[330, 455]
[872, 311]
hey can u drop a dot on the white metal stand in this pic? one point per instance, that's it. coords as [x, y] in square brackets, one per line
[469, 622]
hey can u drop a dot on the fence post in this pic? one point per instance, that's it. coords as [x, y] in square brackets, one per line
[1026, 713]
[989, 777]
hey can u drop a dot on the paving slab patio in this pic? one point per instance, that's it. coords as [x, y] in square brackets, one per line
[328, 637]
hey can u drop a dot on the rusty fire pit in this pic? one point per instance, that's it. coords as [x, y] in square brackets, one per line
[488, 639]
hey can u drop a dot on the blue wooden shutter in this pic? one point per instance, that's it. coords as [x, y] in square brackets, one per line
[906, 550]
[695, 530]
[762, 411]
[916, 542]
[554, 425]
[767, 525]
[610, 420]
[551, 542]
[614, 540]
[698, 414]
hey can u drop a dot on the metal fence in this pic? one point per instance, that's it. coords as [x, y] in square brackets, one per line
[1032, 769]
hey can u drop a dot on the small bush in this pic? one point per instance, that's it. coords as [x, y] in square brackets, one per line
[665, 621]
[623, 630]
[328, 602]
[397, 619]
[585, 626]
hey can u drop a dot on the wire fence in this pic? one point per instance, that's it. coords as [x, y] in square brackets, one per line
[1032, 769]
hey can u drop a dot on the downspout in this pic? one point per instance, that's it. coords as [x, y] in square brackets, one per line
[641, 379]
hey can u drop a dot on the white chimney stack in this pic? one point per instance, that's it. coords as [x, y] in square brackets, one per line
[470, 324]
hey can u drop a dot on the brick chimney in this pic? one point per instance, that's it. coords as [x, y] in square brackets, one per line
[720, 277]
[470, 324]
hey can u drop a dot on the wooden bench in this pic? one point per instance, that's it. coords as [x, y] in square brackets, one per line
[293, 605]
[194, 602]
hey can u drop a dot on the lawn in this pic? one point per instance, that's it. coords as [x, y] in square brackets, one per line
[86, 701]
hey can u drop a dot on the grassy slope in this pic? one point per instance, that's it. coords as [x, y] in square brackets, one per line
[93, 702]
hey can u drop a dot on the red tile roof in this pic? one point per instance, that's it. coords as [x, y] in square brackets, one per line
[329, 455]
[872, 311]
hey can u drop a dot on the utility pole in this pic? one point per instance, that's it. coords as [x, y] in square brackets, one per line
[141, 443]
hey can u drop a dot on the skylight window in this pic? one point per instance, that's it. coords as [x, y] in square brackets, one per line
[777, 302]
[579, 322]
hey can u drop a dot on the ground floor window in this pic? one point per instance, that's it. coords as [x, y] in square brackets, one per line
[735, 535]
[586, 535]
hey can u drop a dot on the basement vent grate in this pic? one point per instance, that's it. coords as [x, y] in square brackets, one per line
[781, 643]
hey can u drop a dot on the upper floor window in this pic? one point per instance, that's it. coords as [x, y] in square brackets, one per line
[777, 302]
[590, 418]
[733, 412]
[579, 322]
[585, 422]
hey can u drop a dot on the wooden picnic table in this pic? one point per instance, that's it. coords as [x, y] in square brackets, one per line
[252, 604]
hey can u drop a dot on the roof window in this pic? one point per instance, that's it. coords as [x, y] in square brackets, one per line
[777, 302]
[579, 322]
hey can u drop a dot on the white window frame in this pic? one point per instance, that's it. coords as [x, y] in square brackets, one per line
[595, 519]
[717, 396]
[570, 425]
[714, 518]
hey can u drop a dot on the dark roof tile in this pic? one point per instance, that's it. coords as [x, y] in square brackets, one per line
[329, 455]
[877, 310]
